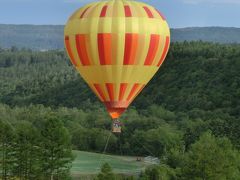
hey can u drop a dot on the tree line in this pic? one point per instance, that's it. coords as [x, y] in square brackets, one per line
[180, 141]
[28, 152]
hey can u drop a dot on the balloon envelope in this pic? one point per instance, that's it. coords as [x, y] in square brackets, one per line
[117, 46]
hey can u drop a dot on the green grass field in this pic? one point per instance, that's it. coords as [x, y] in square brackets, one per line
[87, 163]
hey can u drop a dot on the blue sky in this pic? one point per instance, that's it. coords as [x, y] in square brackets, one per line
[179, 13]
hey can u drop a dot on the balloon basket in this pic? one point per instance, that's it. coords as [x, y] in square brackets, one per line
[116, 126]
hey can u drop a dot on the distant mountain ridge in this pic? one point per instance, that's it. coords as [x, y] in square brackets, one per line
[210, 34]
[45, 37]
[36, 37]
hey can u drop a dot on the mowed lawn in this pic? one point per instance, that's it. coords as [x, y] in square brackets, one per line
[87, 163]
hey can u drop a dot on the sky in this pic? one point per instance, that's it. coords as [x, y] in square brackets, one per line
[179, 13]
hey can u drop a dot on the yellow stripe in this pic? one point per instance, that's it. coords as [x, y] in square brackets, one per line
[136, 12]
[89, 48]
[118, 9]
[109, 9]
[118, 25]
[104, 90]
[93, 48]
[103, 74]
[90, 10]
[143, 49]
[159, 51]
[96, 10]
[107, 25]
[139, 7]
[128, 90]
[74, 50]
[116, 91]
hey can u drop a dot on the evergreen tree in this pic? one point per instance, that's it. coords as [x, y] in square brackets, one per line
[27, 152]
[7, 152]
[106, 173]
[56, 148]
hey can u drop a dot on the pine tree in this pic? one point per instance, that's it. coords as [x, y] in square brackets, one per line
[56, 148]
[106, 173]
[27, 155]
[6, 150]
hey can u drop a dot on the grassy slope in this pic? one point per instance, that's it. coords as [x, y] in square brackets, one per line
[89, 163]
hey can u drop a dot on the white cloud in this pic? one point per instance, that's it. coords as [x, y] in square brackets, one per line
[212, 1]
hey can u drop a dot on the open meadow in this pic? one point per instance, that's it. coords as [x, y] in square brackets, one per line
[88, 164]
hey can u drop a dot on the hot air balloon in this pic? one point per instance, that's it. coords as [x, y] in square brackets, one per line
[117, 46]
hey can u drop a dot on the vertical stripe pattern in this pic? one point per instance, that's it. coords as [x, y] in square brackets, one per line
[82, 49]
[138, 92]
[148, 11]
[100, 91]
[133, 91]
[123, 96]
[110, 89]
[117, 46]
[165, 50]
[69, 50]
[122, 91]
[153, 47]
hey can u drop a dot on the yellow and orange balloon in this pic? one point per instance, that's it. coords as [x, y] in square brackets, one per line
[117, 46]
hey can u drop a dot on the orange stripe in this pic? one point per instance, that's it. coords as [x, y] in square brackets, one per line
[110, 89]
[130, 52]
[96, 93]
[105, 48]
[128, 12]
[133, 91]
[100, 92]
[166, 47]
[153, 47]
[123, 88]
[84, 12]
[139, 91]
[82, 49]
[104, 11]
[69, 50]
[148, 11]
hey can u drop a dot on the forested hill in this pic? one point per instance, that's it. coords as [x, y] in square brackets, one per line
[44, 37]
[209, 34]
[188, 115]
[195, 75]
[40, 37]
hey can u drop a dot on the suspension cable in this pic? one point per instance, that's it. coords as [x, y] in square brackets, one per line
[104, 150]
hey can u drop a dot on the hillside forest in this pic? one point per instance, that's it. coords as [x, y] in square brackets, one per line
[188, 115]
